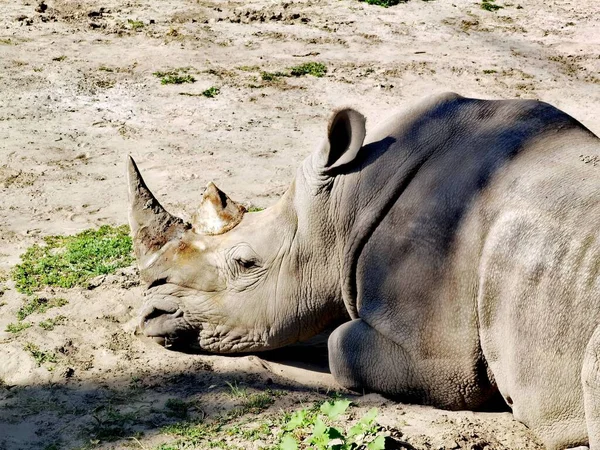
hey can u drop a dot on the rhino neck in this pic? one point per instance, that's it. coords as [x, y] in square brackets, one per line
[364, 194]
[308, 283]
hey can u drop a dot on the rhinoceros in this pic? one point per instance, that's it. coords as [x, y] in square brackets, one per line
[456, 245]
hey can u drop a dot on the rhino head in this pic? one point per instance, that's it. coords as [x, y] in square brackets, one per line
[235, 281]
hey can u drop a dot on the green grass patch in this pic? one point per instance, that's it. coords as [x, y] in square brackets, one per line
[17, 327]
[39, 305]
[49, 324]
[68, 261]
[110, 424]
[59, 58]
[175, 76]
[40, 356]
[252, 404]
[315, 69]
[177, 79]
[489, 71]
[255, 209]
[490, 5]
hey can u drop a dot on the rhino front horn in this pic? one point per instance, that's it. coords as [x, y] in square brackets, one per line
[217, 213]
[151, 225]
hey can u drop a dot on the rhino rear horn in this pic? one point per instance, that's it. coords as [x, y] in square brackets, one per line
[151, 225]
[217, 213]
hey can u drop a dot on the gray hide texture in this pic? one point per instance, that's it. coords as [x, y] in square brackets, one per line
[458, 242]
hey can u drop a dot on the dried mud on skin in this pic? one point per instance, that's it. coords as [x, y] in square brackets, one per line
[78, 93]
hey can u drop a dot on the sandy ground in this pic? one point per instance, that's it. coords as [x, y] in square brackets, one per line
[77, 94]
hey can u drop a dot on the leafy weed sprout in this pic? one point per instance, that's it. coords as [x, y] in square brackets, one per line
[68, 261]
[40, 356]
[309, 429]
[211, 92]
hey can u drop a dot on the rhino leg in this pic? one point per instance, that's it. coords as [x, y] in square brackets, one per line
[590, 377]
[361, 359]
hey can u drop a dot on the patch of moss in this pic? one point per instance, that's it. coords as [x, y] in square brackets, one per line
[68, 261]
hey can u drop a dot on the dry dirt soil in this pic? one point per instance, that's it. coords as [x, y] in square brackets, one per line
[78, 93]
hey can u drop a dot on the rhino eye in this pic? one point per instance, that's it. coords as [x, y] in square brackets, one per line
[246, 263]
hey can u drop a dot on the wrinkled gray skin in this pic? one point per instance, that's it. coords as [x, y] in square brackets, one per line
[459, 240]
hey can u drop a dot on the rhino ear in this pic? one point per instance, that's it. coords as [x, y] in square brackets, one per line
[151, 225]
[345, 136]
[217, 213]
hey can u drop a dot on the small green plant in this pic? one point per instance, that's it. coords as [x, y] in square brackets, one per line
[135, 24]
[384, 3]
[177, 408]
[317, 431]
[105, 69]
[255, 209]
[39, 305]
[49, 324]
[315, 69]
[211, 92]
[272, 76]
[40, 357]
[489, 71]
[59, 58]
[490, 5]
[68, 261]
[236, 391]
[17, 327]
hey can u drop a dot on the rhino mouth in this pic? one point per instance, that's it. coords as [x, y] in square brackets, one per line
[166, 324]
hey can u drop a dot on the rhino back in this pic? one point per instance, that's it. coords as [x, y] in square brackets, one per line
[419, 279]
